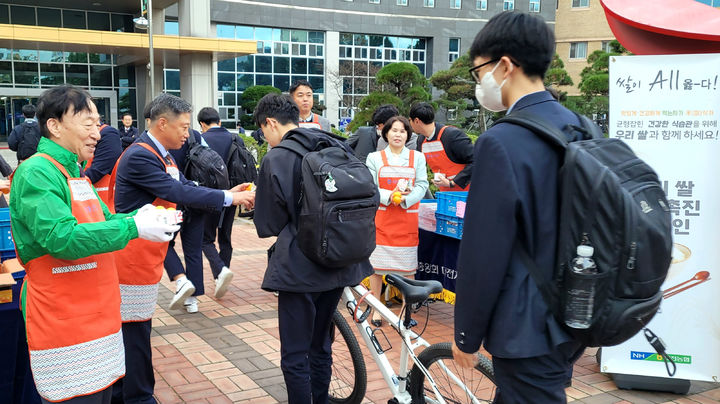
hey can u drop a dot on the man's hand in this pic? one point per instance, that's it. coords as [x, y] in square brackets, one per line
[241, 187]
[466, 360]
[245, 198]
[442, 182]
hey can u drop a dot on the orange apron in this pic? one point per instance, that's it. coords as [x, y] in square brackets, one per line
[439, 162]
[396, 227]
[72, 312]
[102, 185]
[140, 264]
[315, 123]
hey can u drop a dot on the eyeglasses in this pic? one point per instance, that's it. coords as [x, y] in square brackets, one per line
[474, 70]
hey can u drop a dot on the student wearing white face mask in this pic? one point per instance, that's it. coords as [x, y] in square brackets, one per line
[512, 217]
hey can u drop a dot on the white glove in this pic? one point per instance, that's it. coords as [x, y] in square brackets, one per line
[151, 227]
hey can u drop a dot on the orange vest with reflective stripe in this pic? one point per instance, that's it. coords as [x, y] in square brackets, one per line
[396, 227]
[439, 162]
[102, 185]
[72, 312]
[315, 123]
[140, 264]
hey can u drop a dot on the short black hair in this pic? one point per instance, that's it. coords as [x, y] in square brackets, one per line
[423, 111]
[168, 106]
[57, 101]
[28, 111]
[389, 123]
[526, 39]
[208, 115]
[126, 114]
[383, 113]
[299, 83]
[276, 106]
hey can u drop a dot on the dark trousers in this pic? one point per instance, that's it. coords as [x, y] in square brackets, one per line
[139, 382]
[222, 231]
[305, 347]
[540, 379]
[191, 233]
[101, 397]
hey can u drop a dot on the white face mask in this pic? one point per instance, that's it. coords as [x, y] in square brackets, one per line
[488, 92]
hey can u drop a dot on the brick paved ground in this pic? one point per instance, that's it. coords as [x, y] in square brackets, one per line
[229, 351]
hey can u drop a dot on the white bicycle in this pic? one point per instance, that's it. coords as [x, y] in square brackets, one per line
[434, 377]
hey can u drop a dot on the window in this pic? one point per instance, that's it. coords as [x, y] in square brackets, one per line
[428, 3]
[454, 49]
[580, 3]
[481, 5]
[375, 1]
[402, 2]
[534, 6]
[452, 114]
[578, 50]
[606, 46]
[508, 5]
[455, 4]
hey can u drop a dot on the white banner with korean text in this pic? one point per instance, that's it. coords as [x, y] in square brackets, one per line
[667, 108]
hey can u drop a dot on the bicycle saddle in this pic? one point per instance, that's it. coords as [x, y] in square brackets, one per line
[415, 291]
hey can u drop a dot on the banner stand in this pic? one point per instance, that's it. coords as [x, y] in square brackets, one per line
[652, 383]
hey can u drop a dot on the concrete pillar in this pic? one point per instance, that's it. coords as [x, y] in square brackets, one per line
[197, 84]
[333, 83]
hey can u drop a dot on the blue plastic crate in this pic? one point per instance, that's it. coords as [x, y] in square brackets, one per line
[447, 202]
[6, 241]
[450, 226]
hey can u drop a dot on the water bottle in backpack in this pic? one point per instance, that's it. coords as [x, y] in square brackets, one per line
[581, 290]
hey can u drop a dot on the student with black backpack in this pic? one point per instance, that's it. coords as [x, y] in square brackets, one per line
[320, 202]
[513, 205]
[25, 137]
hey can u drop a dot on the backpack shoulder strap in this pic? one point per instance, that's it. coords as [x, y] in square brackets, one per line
[537, 125]
[590, 127]
[294, 146]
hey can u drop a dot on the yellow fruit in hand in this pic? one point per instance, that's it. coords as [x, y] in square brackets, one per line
[396, 197]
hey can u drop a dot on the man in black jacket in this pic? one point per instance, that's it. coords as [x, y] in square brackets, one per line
[367, 139]
[218, 225]
[25, 137]
[128, 132]
[308, 292]
[448, 150]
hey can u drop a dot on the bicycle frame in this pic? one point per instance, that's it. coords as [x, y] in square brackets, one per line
[397, 383]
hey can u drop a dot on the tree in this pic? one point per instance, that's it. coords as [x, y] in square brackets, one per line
[249, 100]
[401, 84]
[458, 89]
[557, 76]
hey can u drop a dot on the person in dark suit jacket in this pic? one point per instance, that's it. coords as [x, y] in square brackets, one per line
[218, 225]
[107, 152]
[367, 139]
[513, 206]
[128, 132]
[144, 177]
[308, 292]
[454, 160]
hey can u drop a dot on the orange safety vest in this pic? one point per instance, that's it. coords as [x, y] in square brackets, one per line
[315, 123]
[396, 227]
[72, 312]
[439, 162]
[102, 185]
[140, 264]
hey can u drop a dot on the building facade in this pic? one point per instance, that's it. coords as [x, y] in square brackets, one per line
[580, 29]
[337, 45]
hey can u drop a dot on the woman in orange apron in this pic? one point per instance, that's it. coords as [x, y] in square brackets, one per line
[401, 177]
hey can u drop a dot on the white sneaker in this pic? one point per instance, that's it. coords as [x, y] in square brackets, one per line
[191, 304]
[222, 282]
[184, 288]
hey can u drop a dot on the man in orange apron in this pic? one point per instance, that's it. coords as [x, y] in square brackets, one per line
[147, 173]
[100, 165]
[70, 297]
[448, 150]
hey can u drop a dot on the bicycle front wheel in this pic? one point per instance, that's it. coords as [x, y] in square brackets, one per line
[455, 384]
[349, 377]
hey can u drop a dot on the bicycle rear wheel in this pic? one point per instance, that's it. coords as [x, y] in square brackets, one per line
[349, 377]
[457, 384]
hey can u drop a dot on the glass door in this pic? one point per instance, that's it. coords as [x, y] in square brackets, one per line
[103, 107]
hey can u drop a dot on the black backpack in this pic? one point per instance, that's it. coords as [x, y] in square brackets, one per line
[204, 166]
[612, 200]
[29, 139]
[338, 203]
[241, 164]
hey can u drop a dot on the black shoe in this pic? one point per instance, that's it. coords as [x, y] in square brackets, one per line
[376, 323]
[413, 323]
